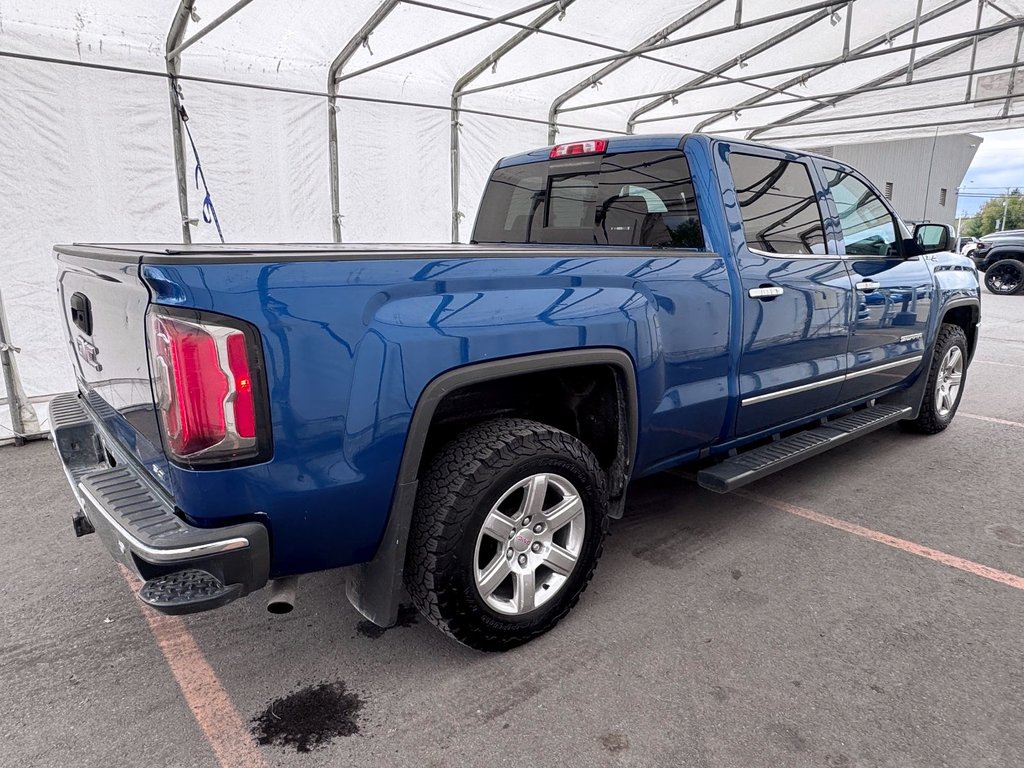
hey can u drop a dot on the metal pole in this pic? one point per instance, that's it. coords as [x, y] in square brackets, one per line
[848, 30]
[1011, 86]
[606, 70]
[449, 38]
[582, 41]
[928, 181]
[1006, 210]
[174, 37]
[761, 47]
[875, 42]
[831, 95]
[10, 380]
[900, 71]
[360, 38]
[886, 128]
[456, 99]
[660, 46]
[913, 51]
[983, 33]
[974, 49]
[861, 115]
[176, 51]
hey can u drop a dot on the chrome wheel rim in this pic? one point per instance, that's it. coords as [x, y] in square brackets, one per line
[529, 544]
[947, 385]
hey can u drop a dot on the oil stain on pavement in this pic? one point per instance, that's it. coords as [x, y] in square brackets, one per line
[309, 718]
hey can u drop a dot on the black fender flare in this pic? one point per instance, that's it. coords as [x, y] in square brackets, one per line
[375, 588]
[914, 394]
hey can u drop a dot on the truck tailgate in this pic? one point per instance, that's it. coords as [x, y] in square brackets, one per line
[103, 306]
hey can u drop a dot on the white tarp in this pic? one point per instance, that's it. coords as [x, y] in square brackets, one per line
[86, 154]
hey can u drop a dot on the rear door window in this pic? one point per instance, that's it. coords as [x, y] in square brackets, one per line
[641, 199]
[778, 205]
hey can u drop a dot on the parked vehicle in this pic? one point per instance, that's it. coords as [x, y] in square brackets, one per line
[1000, 256]
[964, 245]
[465, 419]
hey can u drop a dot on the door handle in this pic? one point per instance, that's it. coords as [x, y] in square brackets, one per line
[765, 292]
[867, 286]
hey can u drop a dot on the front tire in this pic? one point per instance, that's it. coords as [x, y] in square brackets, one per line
[945, 384]
[508, 527]
[1005, 277]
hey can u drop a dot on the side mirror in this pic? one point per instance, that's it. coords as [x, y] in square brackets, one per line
[932, 238]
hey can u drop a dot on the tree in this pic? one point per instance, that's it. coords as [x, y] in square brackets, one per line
[985, 220]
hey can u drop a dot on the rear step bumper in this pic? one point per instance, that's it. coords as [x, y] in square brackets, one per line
[754, 464]
[186, 569]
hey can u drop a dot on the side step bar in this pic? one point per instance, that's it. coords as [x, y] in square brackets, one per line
[754, 464]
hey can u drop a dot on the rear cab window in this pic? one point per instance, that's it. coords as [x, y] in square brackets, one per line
[639, 199]
[778, 205]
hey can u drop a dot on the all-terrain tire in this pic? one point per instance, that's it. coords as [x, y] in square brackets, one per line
[1005, 278]
[932, 419]
[465, 480]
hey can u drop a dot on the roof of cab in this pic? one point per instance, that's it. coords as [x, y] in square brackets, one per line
[642, 142]
[615, 144]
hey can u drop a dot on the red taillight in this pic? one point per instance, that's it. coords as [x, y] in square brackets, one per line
[203, 387]
[244, 408]
[592, 147]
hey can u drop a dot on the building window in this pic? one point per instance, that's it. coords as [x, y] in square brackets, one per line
[942, 196]
[888, 190]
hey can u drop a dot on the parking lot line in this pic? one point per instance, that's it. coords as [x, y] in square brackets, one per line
[968, 566]
[992, 420]
[210, 704]
[993, 362]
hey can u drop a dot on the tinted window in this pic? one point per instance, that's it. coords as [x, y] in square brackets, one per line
[868, 227]
[778, 205]
[632, 198]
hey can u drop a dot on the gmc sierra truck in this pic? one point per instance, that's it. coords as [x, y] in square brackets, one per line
[461, 421]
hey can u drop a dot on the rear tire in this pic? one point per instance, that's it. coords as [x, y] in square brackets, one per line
[1005, 277]
[471, 511]
[945, 386]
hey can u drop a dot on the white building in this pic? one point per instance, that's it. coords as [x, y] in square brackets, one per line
[919, 176]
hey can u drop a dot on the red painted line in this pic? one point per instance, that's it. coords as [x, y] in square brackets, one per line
[212, 708]
[991, 420]
[967, 566]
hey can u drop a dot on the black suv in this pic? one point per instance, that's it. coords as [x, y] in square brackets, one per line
[1001, 257]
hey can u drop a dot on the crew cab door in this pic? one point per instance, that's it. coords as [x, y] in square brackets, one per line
[893, 288]
[796, 293]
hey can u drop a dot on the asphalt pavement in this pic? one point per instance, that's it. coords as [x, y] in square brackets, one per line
[864, 608]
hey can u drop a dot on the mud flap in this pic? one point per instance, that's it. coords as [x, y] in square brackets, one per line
[375, 588]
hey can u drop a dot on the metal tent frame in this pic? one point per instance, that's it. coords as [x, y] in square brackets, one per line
[647, 49]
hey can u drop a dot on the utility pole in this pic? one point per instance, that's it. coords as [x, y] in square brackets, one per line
[1006, 208]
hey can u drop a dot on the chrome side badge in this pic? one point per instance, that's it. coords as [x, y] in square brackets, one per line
[88, 353]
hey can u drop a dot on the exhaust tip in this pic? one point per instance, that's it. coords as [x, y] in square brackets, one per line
[282, 595]
[280, 606]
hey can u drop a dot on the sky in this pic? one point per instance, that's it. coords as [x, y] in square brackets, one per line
[999, 163]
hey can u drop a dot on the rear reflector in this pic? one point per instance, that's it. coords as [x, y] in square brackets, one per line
[203, 386]
[592, 147]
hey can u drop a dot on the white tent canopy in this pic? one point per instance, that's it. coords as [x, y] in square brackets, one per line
[87, 128]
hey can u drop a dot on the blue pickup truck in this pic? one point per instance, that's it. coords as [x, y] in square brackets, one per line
[461, 421]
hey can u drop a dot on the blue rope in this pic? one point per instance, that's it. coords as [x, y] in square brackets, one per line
[209, 212]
